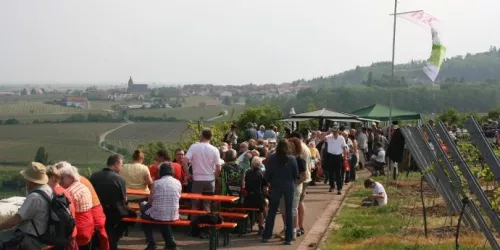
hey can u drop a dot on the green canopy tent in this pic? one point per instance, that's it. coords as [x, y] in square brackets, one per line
[382, 113]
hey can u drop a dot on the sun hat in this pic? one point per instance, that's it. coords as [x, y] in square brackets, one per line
[36, 173]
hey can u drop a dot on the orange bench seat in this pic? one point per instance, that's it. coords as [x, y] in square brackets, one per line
[179, 223]
[201, 212]
[242, 209]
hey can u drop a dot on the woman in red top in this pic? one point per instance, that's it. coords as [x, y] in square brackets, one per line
[54, 178]
[161, 156]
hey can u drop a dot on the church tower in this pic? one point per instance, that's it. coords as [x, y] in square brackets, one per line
[130, 82]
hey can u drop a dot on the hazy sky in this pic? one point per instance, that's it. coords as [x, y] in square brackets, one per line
[223, 41]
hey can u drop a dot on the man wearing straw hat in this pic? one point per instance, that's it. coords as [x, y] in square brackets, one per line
[33, 216]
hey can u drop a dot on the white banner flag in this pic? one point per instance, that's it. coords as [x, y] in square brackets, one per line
[431, 24]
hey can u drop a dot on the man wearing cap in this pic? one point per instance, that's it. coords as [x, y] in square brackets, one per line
[336, 149]
[33, 216]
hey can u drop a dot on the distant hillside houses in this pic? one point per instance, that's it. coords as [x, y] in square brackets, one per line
[76, 101]
[225, 94]
[136, 88]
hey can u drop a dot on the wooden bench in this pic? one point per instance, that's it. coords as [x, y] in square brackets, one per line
[214, 229]
[240, 217]
[201, 212]
[248, 210]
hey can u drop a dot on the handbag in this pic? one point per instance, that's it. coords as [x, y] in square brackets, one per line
[346, 164]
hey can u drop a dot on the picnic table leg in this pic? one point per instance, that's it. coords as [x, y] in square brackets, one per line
[213, 239]
[225, 234]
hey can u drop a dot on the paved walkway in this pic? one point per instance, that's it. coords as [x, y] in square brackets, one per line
[321, 206]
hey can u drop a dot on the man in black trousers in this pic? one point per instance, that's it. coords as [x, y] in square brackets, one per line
[336, 149]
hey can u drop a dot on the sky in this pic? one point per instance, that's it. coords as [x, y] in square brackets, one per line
[223, 41]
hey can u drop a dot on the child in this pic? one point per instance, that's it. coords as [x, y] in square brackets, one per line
[378, 197]
[256, 188]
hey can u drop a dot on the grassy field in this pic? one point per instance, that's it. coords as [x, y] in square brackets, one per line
[76, 143]
[188, 113]
[399, 225]
[194, 101]
[131, 136]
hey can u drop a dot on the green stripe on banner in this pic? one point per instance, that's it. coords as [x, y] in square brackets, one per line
[437, 55]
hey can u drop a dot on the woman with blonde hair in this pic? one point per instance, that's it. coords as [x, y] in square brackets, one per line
[136, 174]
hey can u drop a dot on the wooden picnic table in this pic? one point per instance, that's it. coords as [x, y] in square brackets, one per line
[191, 196]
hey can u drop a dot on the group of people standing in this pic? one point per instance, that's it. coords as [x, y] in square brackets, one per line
[267, 171]
[96, 205]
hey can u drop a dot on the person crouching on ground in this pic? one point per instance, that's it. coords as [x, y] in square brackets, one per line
[378, 197]
[163, 205]
[377, 161]
[19, 230]
[256, 189]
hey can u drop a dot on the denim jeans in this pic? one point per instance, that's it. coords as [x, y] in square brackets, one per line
[166, 230]
[275, 197]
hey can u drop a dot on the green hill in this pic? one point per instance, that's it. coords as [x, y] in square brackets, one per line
[469, 68]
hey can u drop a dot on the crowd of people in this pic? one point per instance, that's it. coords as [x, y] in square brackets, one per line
[266, 170]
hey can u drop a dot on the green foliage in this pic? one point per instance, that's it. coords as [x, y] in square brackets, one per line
[353, 233]
[42, 156]
[262, 115]
[473, 68]
[11, 121]
[450, 115]
[150, 150]
[494, 114]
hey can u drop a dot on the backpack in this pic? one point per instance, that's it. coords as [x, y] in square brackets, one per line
[227, 137]
[232, 174]
[61, 222]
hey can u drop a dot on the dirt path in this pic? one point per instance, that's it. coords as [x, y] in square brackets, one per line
[321, 207]
[102, 137]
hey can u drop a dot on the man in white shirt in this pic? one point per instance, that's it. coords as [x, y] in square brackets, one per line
[377, 160]
[206, 165]
[336, 149]
[379, 196]
[363, 140]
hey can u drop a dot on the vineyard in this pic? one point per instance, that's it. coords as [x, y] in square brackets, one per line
[188, 113]
[76, 143]
[28, 111]
[481, 171]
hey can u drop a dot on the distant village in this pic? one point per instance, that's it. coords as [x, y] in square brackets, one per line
[165, 97]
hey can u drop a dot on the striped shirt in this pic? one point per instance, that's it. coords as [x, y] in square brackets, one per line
[81, 196]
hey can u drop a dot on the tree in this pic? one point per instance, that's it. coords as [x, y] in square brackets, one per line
[42, 156]
[262, 115]
[12, 121]
[451, 116]
[494, 114]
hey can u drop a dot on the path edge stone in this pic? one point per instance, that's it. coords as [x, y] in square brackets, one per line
[320, 230]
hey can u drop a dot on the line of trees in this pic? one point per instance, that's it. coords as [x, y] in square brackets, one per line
[479, 98]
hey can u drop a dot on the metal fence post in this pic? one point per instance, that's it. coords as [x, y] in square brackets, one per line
[469, 177]
[477, 136]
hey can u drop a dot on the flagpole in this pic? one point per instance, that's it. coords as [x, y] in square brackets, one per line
[392, 79]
